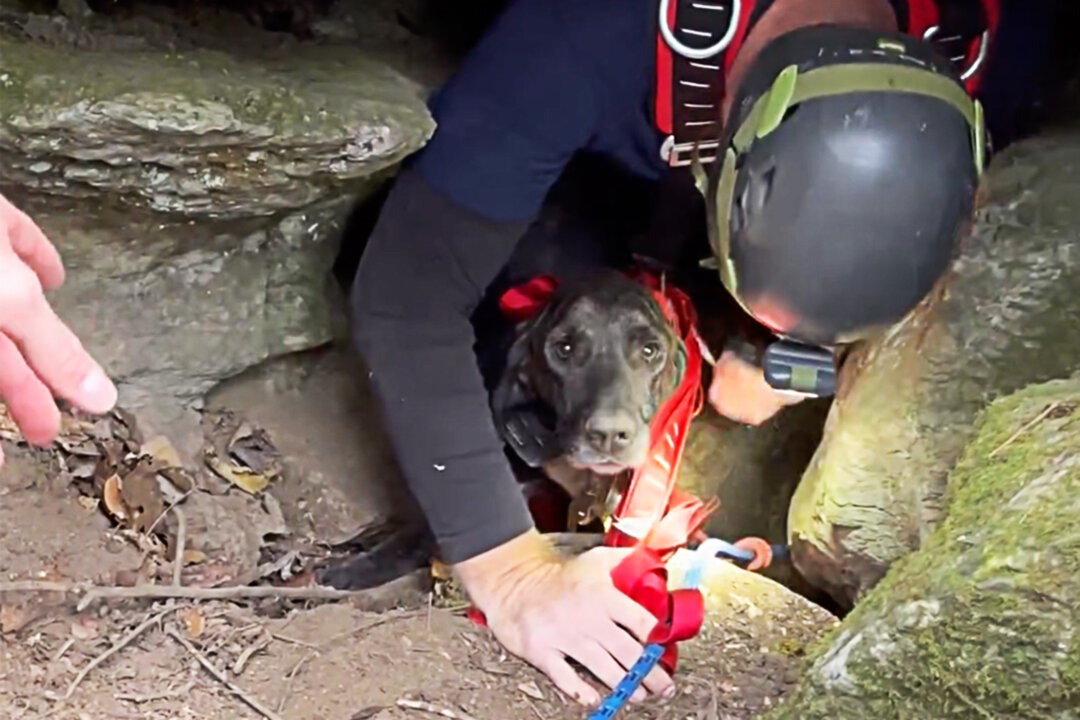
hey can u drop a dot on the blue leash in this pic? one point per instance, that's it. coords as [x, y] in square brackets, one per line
[653, 651]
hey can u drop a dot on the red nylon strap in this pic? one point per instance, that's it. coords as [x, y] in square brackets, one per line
[664, 72]
[642, 576]
[664, 517]
[524, 301]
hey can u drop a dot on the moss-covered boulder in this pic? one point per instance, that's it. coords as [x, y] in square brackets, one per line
[1006, 317]
[984, 620]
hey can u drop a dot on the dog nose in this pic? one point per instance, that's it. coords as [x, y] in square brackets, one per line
[610, 432]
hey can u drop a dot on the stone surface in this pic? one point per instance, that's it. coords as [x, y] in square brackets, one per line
[1006, 317]
[199, 132]
[196, 180]
[340, 475]
[984, 620]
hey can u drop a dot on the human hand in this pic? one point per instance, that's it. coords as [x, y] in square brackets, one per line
[40, 358]
[545, 610]
[739, 391]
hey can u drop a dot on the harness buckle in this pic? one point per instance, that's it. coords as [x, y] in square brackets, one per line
[980, 57]
[706, 52]
[682, 154]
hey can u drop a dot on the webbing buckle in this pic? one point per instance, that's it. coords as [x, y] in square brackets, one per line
[980, 56]
[706, 52]
[682, 154]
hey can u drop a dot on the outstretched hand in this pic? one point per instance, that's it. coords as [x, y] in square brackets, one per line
[40, 357]
[548, 611]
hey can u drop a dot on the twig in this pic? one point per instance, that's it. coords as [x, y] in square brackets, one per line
[138, 699]
[218, 593]
[220, 677]
[124, 642]
[292, 641]
[63, 649]
[433, 709]
[291, 677]
[264, 639]
[37, 586]
[389, 617]
[181, 538]
[1027, 426]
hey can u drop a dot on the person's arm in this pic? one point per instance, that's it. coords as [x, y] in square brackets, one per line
[507, 124]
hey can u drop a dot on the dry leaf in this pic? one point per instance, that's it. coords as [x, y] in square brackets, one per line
[142, 496]
[159, 448]
[192, 556]
[530, 689]
[248, 481]
[14, 617]
[85, 627]
[194, 622]
[440, 570]
[87, 503]
[113, 498]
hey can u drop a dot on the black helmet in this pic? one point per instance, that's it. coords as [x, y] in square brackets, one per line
[847, 171]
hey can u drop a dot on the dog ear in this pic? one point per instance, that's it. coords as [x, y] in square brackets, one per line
[522, 419]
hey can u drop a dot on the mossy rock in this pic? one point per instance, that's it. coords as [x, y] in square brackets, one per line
[1005, 317]
[984, 620]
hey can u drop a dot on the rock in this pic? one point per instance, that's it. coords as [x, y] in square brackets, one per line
[1006, 317]
[340, 475]
[984, 620]
[753, 471]
[201, 133]
[196, 195]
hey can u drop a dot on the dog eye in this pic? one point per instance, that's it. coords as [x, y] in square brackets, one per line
[563, 348]
[650, 351]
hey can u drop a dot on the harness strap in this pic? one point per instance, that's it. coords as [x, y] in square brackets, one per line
[696, 43]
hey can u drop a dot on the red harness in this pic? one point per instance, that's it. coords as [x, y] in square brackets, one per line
[689, 92]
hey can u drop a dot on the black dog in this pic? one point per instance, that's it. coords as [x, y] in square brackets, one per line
[584, 378]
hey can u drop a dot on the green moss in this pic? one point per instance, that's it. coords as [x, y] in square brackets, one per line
[984, 620]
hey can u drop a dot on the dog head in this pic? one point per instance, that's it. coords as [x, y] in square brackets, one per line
[585, 377]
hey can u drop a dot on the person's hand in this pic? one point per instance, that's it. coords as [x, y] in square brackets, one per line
[40, 358]
[739, 391]
[546, 610]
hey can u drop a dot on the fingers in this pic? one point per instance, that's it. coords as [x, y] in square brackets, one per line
[29, 402]
[600, 663]
[51, 350]
[30, 244]
[568, 681]
[625, 649]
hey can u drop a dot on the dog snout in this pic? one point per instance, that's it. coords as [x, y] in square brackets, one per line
[610, 432]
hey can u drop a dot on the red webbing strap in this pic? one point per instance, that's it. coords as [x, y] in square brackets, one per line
[642, 576]
[745, 11]
[525, 301]
[664, 75]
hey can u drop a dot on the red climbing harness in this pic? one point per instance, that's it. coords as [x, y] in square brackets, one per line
[697, 42]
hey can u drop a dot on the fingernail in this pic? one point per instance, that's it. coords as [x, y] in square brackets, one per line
[97, 391]
[668, 693]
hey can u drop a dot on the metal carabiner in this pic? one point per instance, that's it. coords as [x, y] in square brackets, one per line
[689, 52]
[980, 57]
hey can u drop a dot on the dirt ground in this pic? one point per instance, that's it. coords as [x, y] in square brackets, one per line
[404, 650]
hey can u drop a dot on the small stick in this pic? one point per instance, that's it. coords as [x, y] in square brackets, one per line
[433, 709]
[181, 533]
[220, 677]
[291, 677]
[1012, 438]
[219, 593]
[138, 699]
[124, 642]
